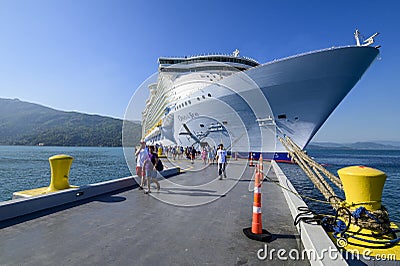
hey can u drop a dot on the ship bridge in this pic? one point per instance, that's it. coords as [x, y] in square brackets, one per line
[241, 63]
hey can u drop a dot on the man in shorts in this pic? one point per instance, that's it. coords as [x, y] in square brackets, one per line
[141, 156]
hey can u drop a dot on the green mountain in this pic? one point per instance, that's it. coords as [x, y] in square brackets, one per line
[23, 123]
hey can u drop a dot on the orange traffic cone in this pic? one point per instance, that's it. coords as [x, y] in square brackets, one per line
[251, 159]
[256, 225]
[256, 232]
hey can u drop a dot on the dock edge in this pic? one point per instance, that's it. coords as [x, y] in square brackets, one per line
[313, 237]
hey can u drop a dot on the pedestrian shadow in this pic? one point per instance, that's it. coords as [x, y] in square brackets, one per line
[111, 199]
[185, 189]
[190, 192]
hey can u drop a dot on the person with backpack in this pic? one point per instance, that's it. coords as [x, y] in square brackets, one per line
[151, 166]
[192, 154]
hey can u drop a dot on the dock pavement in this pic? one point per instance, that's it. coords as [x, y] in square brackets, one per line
[195, 218]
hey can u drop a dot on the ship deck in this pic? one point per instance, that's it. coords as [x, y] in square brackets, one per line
[129, 227]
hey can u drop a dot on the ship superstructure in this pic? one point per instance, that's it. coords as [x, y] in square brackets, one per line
[236, 100]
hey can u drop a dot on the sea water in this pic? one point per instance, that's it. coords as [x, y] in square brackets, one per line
[25, 167]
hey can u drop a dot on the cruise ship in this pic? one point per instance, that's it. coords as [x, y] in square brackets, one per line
[245, 105]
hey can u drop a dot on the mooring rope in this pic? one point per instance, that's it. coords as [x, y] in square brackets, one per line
[312, 172]
[334, 179]
[377, 220]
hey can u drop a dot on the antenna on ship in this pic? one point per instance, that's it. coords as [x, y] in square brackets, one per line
[356, 34]
[236, 53]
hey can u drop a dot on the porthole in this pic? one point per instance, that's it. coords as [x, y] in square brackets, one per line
[190, 102]
[185, 103]
[198, 98]
[209, 95]
[203, 97]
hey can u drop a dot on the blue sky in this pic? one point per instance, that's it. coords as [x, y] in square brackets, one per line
[90, 55]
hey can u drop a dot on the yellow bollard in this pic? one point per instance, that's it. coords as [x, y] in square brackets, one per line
[59, 165]
[362, 186]
[159, 152]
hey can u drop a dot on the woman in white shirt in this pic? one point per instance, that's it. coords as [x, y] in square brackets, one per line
[221, 160]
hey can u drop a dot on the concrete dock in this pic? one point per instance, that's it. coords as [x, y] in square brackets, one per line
[128, 227]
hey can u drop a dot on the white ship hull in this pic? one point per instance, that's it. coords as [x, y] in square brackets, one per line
[302, 91]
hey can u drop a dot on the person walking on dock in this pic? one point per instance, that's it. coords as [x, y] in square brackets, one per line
[214, 154]
[141, 156]
[210, 155]
[192, 154]
[151, 171]
[204, 154]
[221, 160]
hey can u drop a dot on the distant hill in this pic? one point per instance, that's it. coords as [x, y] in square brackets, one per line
[354, 146]
[23, 123]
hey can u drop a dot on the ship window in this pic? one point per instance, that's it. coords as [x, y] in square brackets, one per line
[201, 125]
[186, 103]
[190, 102]
[198, 98]
[204, 97]
[209, 95]
[282, 116]
[296, 118]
